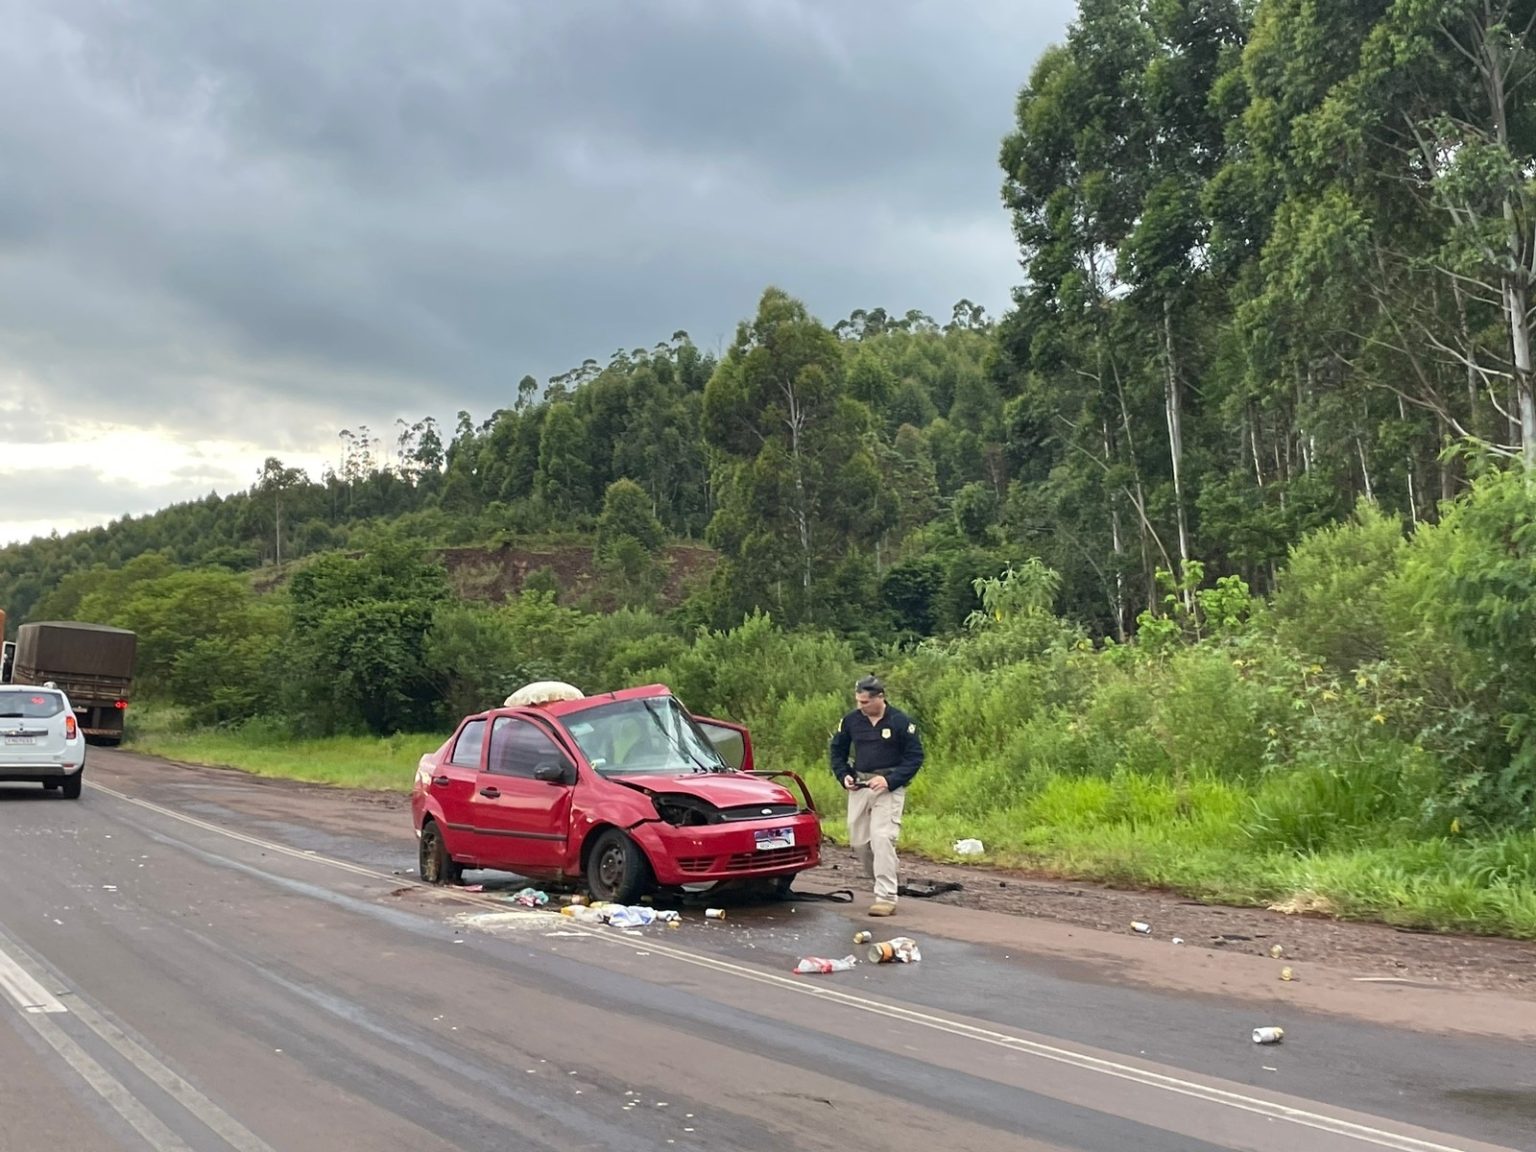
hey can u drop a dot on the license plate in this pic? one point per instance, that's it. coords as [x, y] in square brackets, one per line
[771, 838]
[21, 739]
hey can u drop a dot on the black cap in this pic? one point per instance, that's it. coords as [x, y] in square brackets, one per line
[871, 684]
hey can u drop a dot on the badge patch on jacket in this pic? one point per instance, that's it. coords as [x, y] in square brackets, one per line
[885, 733]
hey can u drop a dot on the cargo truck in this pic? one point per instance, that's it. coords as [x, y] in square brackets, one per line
[91, 663]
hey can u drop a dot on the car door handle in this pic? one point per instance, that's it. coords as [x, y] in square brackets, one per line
[441, 781]
[490, 793]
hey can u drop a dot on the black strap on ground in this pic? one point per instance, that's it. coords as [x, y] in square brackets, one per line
[923, 890]
[836, 896]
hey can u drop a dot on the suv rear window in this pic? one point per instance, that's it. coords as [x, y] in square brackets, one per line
[29, 704]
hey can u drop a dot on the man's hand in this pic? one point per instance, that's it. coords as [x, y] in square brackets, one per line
[878, 784]
[849, 783]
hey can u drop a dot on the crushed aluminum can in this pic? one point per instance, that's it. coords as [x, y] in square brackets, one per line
[863, 937]
[1287, 974]
[1141, 926]
[1268, 1035]
[714, 913]
[1277, 951]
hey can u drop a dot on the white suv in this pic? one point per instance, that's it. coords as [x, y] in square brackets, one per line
[40, 739]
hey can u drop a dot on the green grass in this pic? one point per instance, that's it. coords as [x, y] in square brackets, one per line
[387, 763]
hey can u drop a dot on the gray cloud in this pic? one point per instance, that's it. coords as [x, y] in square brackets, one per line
[284, 216]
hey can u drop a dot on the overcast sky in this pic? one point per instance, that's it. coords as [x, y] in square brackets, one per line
[228, 230]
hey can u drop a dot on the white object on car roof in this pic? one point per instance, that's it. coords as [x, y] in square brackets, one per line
[543, 692]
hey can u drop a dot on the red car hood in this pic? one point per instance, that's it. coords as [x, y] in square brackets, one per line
[722, 789]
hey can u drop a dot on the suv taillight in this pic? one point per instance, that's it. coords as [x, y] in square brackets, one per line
[71, 728]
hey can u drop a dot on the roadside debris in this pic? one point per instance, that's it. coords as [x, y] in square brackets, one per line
[530, 898]
[1287, 974]
[1142, 927]
[901, 950]
[1276, 951]
[1268, 1035]
[863, 937]
[635, 916]
[1178, 939]
[822, 964]
[969, 847]
[472, 888]
[714, 913]
[620, 915]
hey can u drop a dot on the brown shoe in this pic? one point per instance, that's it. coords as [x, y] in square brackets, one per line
[882, 909]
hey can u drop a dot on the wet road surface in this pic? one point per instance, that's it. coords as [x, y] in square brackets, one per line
[200, 960]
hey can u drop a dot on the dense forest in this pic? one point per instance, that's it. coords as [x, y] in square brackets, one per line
[1235, 491]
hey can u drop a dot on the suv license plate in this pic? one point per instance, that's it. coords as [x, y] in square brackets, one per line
[771, 838]
[21, 739]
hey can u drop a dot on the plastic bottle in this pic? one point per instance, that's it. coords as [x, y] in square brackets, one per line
[821, 964]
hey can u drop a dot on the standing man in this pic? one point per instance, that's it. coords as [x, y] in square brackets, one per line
[886, 755]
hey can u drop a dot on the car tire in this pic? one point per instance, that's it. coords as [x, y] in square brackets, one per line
[71, 784]
[779, 887]
[617, 870]
[432, 859]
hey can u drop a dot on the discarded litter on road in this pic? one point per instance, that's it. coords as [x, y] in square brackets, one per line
[969, 847]
[1141, 926]
[714, 913]
[1287, 974]
[1268, 1035]
[901, 950]
[822, 964]
[863, 937]
[1276, 951]
[530, 898]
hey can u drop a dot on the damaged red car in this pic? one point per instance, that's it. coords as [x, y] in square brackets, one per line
[626, 791]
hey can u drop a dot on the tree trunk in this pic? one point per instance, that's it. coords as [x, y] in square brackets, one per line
[796, 423]
[1176, 443]
[1117, 594]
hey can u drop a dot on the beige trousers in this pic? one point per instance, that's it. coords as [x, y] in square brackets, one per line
[874, 825]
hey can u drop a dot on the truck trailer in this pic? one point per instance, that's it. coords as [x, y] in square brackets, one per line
[91, 663]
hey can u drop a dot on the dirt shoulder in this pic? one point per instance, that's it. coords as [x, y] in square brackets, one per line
[1374, 953]
[1094, 920]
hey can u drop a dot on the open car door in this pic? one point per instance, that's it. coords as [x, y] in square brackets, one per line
[730, 740]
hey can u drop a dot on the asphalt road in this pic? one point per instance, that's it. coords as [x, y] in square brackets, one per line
[199, 960]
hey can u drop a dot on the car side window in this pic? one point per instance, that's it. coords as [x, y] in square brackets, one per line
[466, 750]
[518, 748]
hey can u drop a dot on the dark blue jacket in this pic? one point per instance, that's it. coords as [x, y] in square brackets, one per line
[890, 748]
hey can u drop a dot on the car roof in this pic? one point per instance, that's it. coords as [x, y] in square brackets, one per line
[30, 688]
[563, 708]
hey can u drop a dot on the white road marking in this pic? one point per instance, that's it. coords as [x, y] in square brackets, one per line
[27, 989]
[109, 1088]
[1379, 1137]
[233, 1133]
[20, 985]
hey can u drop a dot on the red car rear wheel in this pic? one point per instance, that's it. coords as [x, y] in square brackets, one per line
[433, 861]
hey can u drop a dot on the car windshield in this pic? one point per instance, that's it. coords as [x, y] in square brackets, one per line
[653, 734]
[29, 704]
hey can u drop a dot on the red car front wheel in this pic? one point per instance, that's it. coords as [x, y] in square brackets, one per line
[617, 870]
